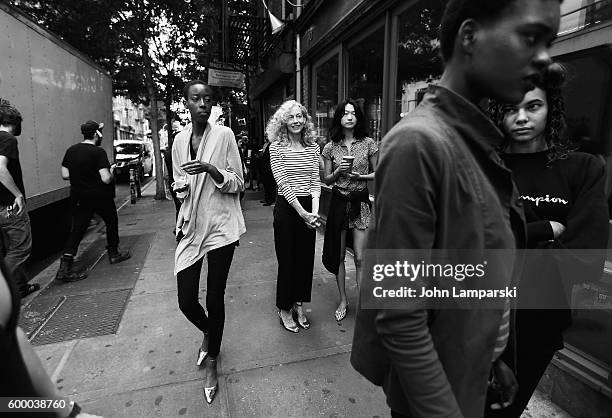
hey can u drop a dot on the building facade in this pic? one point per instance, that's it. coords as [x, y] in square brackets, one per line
[130, 121]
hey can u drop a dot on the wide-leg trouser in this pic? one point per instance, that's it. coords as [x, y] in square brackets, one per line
[295, 247]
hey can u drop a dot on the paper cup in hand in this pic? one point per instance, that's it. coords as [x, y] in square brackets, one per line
[181, 187]
[349, 159]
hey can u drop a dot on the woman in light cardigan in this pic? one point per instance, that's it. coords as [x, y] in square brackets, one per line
[205, 157]
[294, 157]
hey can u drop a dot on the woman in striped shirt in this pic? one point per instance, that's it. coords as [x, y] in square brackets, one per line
[294, 157]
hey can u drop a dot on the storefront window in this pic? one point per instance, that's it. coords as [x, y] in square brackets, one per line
[418, 61]
[588, 111]
[365, 78]
[326, 82]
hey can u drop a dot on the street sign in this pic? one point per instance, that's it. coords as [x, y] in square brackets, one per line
[225, 78]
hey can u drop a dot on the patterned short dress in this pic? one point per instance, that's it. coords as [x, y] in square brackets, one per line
[362, 150]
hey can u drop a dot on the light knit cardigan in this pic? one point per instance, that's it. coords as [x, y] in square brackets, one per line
[210, 216]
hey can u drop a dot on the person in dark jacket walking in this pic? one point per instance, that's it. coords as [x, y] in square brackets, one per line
[168, 161]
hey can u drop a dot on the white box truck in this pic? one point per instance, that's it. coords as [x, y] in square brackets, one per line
[56, 88]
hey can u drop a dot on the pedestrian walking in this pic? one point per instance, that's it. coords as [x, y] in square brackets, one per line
[92, 190]
[440, 185]
[242, 145]
[267, 178]
[16, 239]
[294, 157]
[168, 161]
[349, 162]
[574, 217]
[23, 375]
[208, 178]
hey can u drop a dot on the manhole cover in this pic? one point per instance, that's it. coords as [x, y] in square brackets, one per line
[82, 316]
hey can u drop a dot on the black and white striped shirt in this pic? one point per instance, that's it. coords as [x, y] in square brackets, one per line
[296, 171]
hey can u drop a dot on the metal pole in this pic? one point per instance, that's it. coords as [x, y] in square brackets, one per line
[298, 67]
[138, 191]
[132, 187]
[224, 32]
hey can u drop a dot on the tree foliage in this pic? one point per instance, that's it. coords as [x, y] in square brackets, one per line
[150, 47]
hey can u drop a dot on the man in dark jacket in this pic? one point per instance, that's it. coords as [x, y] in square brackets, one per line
[441, 185]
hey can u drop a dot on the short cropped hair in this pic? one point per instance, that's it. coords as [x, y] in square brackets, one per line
[9, 115]
[188, 86]
[458, 11]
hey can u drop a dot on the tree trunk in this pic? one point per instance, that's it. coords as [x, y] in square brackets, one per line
[160, 193]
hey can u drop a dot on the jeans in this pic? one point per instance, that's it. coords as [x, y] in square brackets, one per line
[294, 243]
[188, 284]
[16, 244]
[82, 212]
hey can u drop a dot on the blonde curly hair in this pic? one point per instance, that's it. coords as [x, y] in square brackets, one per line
[277, 125]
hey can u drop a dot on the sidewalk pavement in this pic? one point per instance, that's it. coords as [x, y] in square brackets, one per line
[145, 367]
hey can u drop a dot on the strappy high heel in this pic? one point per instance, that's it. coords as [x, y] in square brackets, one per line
[301, 320]
[291, 328]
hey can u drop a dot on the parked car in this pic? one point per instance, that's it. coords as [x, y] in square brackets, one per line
[133, 154]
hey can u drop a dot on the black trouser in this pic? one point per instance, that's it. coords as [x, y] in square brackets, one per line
[188, 283]
[532, 362]
[295, 247]
[269, 187]
[83, 209]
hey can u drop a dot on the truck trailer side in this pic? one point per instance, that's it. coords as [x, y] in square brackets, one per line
[56, 88]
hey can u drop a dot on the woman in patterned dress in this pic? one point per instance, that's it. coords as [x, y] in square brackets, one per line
[350, 204]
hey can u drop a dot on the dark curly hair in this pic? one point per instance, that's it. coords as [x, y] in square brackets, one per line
[9, 115]
[555, 133]
[361, 127]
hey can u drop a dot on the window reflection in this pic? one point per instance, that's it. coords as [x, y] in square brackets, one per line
[326, 79]
[418, 61]
[365, 79]
[588, 111]
[586, 99]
